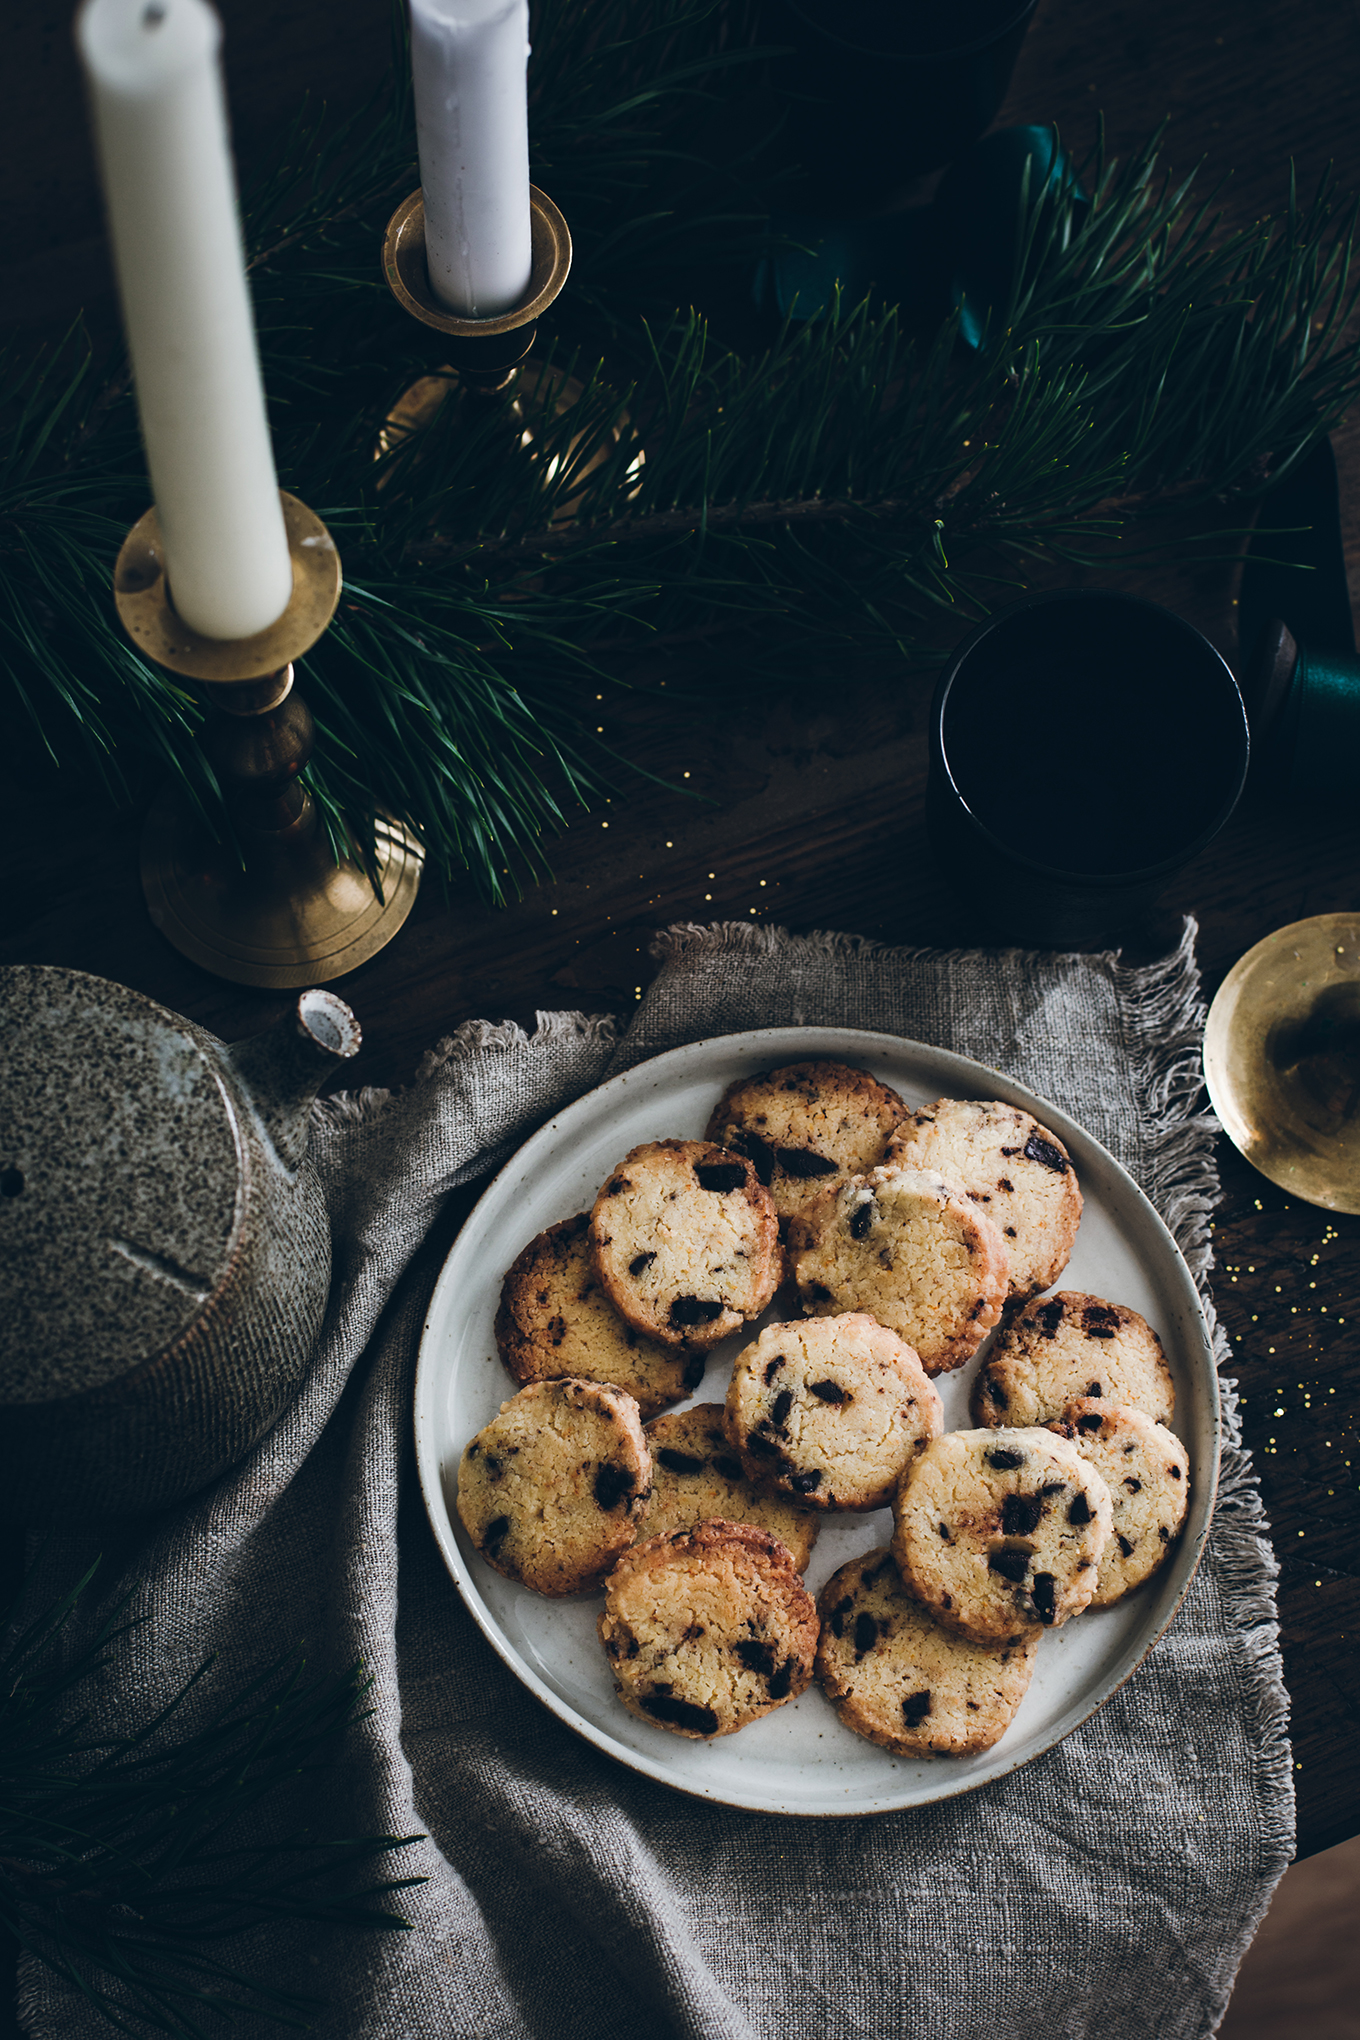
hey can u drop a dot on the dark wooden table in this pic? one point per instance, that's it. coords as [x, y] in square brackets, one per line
[809, 813]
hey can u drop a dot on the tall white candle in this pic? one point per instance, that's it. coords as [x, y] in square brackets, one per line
[161, 132]
[468, 60]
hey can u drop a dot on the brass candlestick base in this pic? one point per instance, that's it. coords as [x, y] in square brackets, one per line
[290, 916]
[537, 383]
[303, 922]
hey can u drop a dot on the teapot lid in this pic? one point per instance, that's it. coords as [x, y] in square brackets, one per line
[122, 1180]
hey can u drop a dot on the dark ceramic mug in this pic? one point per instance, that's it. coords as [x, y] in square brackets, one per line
[1083, 747]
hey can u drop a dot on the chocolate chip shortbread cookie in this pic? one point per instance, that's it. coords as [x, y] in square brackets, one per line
[696, 1474]
[905, 1246]
[1001, 1158]
[805, 1124]
[555, 1319]
[832, 1410]
[550, 1491]
[1000, 1533]
[685, 1241]
[707, 1629]
[1061, 1347]
[1147, 1470]
[894, 1675]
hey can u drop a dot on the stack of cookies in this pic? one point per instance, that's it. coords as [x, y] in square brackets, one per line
[907, 1238]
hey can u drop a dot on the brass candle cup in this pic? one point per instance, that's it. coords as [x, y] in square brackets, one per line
[289, 915]
[141, 594]
[483, 352]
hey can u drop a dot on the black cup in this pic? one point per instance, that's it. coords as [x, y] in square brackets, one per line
[874, 95]
[1083, 747]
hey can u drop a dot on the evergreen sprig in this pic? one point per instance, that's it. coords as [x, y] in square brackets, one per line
[123, 1859]
[848, 488]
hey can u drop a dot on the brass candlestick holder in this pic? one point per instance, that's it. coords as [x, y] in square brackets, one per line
[291, 916]
[486, 356]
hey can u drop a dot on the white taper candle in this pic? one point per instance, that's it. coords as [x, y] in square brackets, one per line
[161, 132]
[468, 60]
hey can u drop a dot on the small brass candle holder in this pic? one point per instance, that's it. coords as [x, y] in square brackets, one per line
[484, 353]
[291, 916]
[485, 356]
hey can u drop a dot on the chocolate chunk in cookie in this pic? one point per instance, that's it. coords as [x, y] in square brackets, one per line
[1061, 1347]
[551, 1490]
[895, 1676]
[707, 1629]
[685, 1242]
[833, 1409]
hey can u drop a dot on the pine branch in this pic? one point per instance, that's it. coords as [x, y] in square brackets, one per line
[849, 491]
[124, 1859]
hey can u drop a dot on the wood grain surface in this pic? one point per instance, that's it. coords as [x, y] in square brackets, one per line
[808, 810]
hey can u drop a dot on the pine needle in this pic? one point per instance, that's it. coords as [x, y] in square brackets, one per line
[849, 492]
[124, 1860]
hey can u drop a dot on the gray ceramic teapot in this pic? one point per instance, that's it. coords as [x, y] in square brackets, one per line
[164, 1247]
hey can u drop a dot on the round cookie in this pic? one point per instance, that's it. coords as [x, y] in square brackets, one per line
[806, 1123]
[696, 1475]
[1147, 1470]
[1069, 1345]
[1000, 1533]
[685, 1242]
[902, 1245]
[832, 1410]
[1001, 1158]
[555, 1319]
[707, 1629]
[894, 1675]
[550, 1491]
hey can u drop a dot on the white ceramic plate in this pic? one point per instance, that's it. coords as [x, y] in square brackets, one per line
[798, 1759]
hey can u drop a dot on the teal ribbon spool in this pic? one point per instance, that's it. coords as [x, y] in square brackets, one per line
[959, 252]
[1305, 735]
[1318, 734]
[811, 260]
[979, 209]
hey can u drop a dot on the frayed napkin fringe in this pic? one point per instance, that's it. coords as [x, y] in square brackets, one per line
[30, 2003]
[687, 939]
[1163, 1022]
[1163, 1016]
[550, 1030]
[353, 1108]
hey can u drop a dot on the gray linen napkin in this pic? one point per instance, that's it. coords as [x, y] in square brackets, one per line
[1108, 1888]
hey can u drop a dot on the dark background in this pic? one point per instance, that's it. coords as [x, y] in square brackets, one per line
[812, 808]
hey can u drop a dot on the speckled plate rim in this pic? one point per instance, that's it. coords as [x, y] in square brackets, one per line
[488, 1241]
